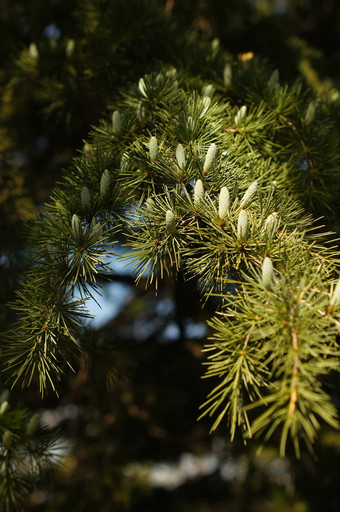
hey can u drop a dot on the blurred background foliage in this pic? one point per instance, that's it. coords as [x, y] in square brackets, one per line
[129, 412]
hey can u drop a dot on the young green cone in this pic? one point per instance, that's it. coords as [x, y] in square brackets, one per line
[267, 273]
[170, 222]
[32, 425]
[153, 148]
[105, 182]
[310, 113]
[85, 198]
[76, 226]
[180, 156]
[271, 225]
[223, 203]
[210, 158]
[190, 123]
[241, 114]
[33, 51]
[3, 408]
[248, 196]
[227, 75]
[273, 79]
[198, 192]
[207, 90]
[242, 225]
[335, 300]
[116, 122]
[142, 87]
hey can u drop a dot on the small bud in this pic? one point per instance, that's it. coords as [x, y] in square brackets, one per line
[310, 113]
[85, 199]
[242, 225]
[180, 156]
[116, 122]
[153, 148]
[170, 222]
[198, 192]
[227, 75]
[87, 149]
[105, 181]
[215, 44]
[207, 90]
[273, 79]
[7, 439]
[335, 300]
[190, 123]
[171, 73]
[206, 101]
[33, 51]
[32, 425]
[140, 111]
[223, 203]
[76, 226]
[70, 48]
[149, 203]
[267, 273]
[3, 407]
[4, 396]
[250, 192]
[241, 114]
[142, 87]
[210, 159]
[271, 225]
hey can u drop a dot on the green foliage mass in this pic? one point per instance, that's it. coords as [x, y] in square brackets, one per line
[153, 173]
[214, 172]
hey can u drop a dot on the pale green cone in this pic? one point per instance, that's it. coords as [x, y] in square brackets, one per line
[33, 424]
[227, 75]
[271, 225]
[198, 192]
[335, 300]
[170, 222]
[85, 198]
[153, 148]
[210, 158]
[242, 225]
[223, 203]
[105, 181]
[267, 273]
[180, 156]
[116, 122]
[241, 114]
[250, 192]
[76, 226]
[310, 113]
[273, 79]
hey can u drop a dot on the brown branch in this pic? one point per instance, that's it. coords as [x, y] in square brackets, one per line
[295, 370]
[169, 7]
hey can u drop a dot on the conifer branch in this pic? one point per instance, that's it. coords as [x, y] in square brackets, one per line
[194, 185]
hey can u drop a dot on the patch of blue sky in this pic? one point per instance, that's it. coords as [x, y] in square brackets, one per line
[108, 303]
[52, 31]
[195, 330]
[112, 297]
[171, 332]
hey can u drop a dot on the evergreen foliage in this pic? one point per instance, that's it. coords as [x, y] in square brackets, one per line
[217, 171]
[27, 452]
[157, 181]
